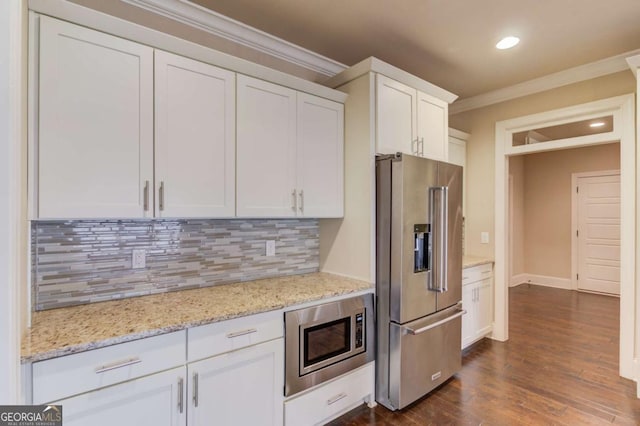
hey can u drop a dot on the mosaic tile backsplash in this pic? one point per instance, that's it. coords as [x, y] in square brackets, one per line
[79, 262]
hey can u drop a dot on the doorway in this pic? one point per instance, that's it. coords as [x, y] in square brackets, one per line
[622, 111]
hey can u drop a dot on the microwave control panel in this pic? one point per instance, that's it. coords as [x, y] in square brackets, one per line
[359, 328]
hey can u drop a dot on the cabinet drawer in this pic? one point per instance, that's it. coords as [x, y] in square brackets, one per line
[476, 273]
[213, 339]
[73, 374]
[330, 400]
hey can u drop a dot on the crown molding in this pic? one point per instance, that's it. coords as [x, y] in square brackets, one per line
[634, 64]
[196, 16]
[577, 74]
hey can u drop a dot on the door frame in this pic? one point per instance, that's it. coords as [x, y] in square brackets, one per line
[574, 217]
[622, 108]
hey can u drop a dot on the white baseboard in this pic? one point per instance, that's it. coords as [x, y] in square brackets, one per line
[543, 280]
[518, 279]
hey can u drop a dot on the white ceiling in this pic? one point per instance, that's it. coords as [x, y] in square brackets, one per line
[451, 42]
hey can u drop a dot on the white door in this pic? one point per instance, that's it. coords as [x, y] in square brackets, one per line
[195, 138]
[152, 400]
[244, 387]
[95, 132]
[396, 117]
[433, 124]
[266, 149]
[320, 174]
[599, 234]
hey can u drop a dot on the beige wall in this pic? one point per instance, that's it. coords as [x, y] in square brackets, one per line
[547, 204]
[480, 123]
[151, 20]
[517, 207]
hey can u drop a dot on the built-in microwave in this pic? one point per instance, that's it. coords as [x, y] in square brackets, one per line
[327, 340]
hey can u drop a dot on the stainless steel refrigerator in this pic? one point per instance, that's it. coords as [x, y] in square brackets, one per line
[419, 276]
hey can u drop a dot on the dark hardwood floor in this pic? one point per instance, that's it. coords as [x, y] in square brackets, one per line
[560, 366]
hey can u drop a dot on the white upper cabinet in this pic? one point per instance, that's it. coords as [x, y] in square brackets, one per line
[410, 121]
[95, 128]
[433, 122]
[290, 152]
[396, 113]
[320, 150]
[195, 138]
[119, 133]
[266, 145]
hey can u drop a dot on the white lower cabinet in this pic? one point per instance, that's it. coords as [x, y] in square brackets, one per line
[243, 387]
[328, 401]
[155, 400]
[477, 300]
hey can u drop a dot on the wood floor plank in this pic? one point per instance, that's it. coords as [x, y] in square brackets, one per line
[559, 367]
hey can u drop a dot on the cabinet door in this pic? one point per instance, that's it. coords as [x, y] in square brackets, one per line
[396, 117]
[151, 400]
[266, 146]
[320, 173]
[95, 132]
[468, 319]
[243, 387]
[195, 138]
[433, 124]
[484, 307]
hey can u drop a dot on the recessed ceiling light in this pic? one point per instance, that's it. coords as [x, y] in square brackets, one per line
[507, 42]
[597, 124]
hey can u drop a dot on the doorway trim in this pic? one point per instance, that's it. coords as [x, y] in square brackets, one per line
[574, 217]
[623, 110]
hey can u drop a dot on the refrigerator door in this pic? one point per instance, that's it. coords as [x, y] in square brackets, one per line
[424, 354]
[410, 255]
[450, 177]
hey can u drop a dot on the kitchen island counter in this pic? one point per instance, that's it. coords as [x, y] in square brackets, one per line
[65, 331]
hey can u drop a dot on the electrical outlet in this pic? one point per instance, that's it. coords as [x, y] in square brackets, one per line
[138, 259]
[484, 238]
[270, 248]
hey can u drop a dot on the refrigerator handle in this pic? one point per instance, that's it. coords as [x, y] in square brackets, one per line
[438, 214]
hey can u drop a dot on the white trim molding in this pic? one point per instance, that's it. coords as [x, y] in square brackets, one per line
[577, 74]
[544, 281]
[518, 279]
[623, 108]
[13, 266]
[634, 64]
[196, 16]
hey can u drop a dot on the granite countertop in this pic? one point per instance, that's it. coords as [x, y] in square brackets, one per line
[65, 331]
[470, 261]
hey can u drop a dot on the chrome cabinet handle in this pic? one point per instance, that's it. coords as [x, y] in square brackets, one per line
[294, 201]
[460, 313]
[180, 394]
[161, 196]
[195, 389]
[421, 145]
[241, 333]
[118, 364]
[146, 196]
[336, 398]
[301, 195]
